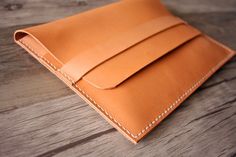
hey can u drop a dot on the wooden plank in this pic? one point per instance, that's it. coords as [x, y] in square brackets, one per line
[200, 6]
[14, 12]
[23, 80]
[40, 127]
[219, 25]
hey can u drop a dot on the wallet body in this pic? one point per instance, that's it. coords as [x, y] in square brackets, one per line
[132, 61]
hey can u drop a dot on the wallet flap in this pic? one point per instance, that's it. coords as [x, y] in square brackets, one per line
[89, 59]
[119, 68]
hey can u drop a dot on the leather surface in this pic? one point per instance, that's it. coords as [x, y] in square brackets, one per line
[132, 61]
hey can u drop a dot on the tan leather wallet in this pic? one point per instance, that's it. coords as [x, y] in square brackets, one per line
[132, 61]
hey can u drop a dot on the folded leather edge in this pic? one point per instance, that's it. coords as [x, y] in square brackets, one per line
[21, 33]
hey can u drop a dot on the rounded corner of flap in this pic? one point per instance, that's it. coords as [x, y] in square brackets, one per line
[100, 84]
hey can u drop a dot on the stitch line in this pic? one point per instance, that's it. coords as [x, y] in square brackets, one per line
[53, 66]
[159, 117]
[67, 76]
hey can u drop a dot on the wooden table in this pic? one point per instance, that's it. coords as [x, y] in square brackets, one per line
[40, 116]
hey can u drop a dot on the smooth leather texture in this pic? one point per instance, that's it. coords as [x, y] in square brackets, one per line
[132, 61]
[144, 53]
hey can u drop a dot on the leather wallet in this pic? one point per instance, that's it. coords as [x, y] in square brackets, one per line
[132, 61]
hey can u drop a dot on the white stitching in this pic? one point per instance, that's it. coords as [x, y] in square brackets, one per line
[171, 107]
[53, 66]
[67, 76]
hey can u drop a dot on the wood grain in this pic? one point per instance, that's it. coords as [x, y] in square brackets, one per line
[40, 116]
[14, 12]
